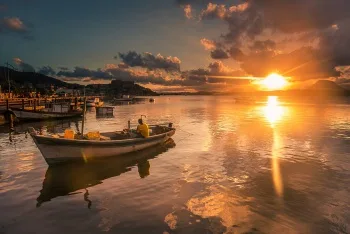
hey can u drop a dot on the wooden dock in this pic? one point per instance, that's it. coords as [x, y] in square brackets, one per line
[6, 104]
[7, 116]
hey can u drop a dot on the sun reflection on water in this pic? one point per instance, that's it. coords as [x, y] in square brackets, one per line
[273, 112]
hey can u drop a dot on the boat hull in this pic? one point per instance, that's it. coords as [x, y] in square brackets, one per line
[39, 115]
[57, 151]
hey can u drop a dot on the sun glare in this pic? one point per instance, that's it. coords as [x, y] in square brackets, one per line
[274, 81]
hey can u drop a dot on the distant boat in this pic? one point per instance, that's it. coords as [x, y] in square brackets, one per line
[151, 100]
[124, 98]
[55, 111]
[57, 149]
[94, 102]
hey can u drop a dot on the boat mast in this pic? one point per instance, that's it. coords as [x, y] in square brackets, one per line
[8, 76]
[83, 123]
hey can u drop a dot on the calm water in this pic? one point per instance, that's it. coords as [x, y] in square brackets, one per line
[275, 167]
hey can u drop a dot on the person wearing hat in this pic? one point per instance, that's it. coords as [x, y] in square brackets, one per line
[143, 129]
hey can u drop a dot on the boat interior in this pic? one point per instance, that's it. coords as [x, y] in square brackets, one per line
[116, 135]
[125, 134]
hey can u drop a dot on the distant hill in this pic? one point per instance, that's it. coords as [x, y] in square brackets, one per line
[33, 78]
[42, 82]
[326, 85]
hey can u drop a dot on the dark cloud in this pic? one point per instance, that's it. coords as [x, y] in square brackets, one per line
[243, 20]
[343, 81]
[47, 70]
[236, 53]
[219, 54]
[299, 15]
[23, 66]
[85, 72]
[267, 45]
[150, 61]
[250, 18]
[3, 7]
[132, 59]
[335, 43]
[323, 24]
[217, 72]
[141, 76]
[63, 68]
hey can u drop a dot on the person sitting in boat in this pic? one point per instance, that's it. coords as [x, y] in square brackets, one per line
[143, 129]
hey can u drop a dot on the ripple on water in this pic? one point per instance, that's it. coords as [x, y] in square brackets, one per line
[266, 168]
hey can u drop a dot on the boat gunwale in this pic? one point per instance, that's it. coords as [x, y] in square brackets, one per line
[78, 142]
[49, 112]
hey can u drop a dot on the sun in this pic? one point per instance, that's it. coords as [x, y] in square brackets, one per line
[274, 81]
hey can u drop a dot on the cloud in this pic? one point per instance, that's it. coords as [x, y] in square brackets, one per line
[216, 72]
[318, 32]
[47, 70]
[242, 20]
[267, 45]
[63, 68]
[219, 54]
[209, 44]
[13, 24]
[139, 76]
[236, 53]
[299, 15]
[23, 66]
[85, 72]
[3, 7]
[302, 64]
[150, 61]
[188, 11]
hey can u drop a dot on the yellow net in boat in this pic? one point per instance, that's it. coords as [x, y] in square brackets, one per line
[93, 135]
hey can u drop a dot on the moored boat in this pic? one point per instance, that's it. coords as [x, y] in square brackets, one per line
[57, 149]
[56, 111]
[95, 102]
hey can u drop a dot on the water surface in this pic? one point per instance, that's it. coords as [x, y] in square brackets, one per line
[271, 167]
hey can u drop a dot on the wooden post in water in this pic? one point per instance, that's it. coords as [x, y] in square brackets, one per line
[34, 105]
[22, 103]
[76, 103]
[83, 123]
[7, 104]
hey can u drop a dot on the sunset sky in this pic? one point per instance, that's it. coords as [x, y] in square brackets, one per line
[178, 45]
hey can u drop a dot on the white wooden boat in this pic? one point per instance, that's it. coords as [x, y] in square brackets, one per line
[56, 111]
[57, 150]
[65, 179]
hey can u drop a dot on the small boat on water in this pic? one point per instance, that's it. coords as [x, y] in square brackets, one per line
[95, 102]
[65, 179]
[57, 149]
[52, 111]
